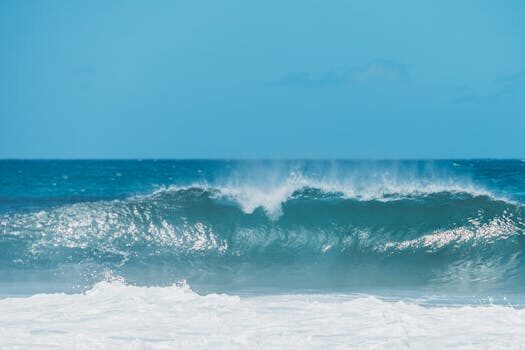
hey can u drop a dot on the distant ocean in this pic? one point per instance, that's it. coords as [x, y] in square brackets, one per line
[205, 254]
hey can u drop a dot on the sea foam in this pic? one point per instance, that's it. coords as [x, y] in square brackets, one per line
[115, 315]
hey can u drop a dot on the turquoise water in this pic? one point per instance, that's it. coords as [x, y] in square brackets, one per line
[449, 229]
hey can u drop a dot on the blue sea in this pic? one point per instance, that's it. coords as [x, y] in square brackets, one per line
[199, 254]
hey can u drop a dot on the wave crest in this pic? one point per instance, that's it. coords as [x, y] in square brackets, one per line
[271, 196]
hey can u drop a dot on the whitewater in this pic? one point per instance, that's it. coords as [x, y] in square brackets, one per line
[198, 254]
[115, 315]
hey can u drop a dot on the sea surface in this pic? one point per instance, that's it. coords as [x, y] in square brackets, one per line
[230, 254]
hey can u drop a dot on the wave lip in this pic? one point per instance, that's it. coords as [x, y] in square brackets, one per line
[272, 196]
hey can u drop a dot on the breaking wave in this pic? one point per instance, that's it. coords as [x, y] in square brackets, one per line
[404, 234]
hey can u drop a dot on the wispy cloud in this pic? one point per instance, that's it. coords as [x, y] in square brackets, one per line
[502, 87]
[511, 84]
[383, 69]
[375, 70]
[331, 78]
[465, 94]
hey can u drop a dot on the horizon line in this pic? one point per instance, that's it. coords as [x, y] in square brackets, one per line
[260, 159]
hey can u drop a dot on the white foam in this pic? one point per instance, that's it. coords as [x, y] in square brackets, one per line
[271, 195]
[115, 315]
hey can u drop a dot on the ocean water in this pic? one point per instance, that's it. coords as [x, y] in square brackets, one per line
[198, 254]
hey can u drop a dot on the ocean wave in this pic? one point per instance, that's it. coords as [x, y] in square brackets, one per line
[220, 234]
[197, 220]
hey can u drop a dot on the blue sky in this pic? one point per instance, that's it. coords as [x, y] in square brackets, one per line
[273, 79]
